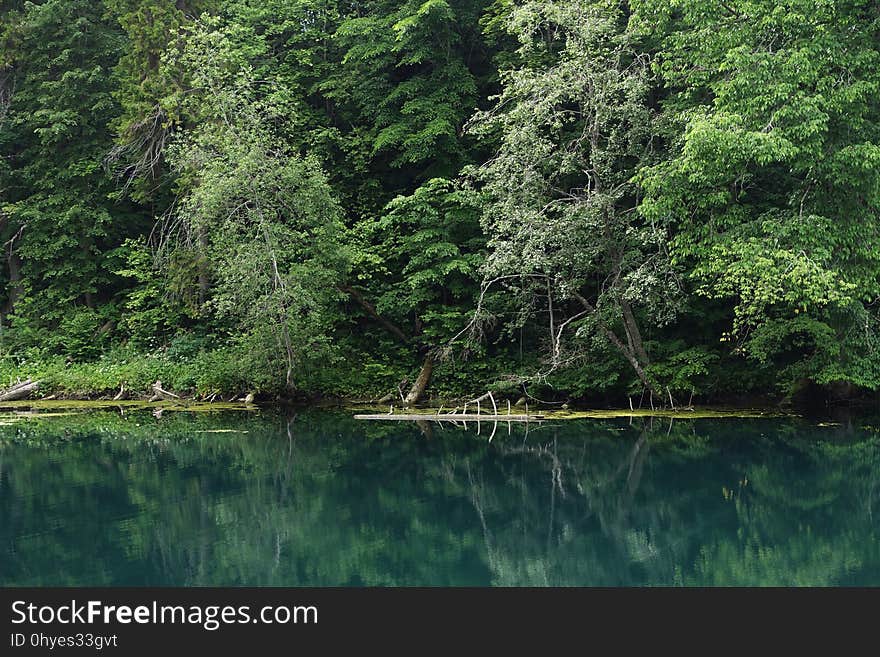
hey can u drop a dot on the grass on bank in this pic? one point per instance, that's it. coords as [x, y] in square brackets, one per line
[228, 372]
[199, 376]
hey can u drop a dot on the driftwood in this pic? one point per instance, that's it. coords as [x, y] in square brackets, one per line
[21, 390]
[159, 393]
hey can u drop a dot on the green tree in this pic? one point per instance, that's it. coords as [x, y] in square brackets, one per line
[575, 124]
[421, 259]
[149, 93]
[774, 179]
[59, 224]
[408, 77]
[272, 223]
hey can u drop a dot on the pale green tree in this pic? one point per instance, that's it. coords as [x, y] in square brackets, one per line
[575, 124]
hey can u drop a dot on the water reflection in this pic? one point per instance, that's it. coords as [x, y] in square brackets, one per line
[320, 499]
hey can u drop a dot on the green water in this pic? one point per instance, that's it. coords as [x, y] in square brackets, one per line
[101, 498]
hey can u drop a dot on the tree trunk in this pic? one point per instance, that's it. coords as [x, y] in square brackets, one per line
[631, 358]
[160, 393]
[426, 428]
[418, 388]
[14, 264]
[628, 353]
[633, 334]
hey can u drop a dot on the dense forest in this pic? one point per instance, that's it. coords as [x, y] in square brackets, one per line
[570, 200]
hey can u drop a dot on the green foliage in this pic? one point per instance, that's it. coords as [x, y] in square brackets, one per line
[263, 217]
[686, 370]
[148, 90]
[423, 256]
[576, 124]
[595, 197]
[56, 220]
[774, 178]
[157, 303]
[409, 70]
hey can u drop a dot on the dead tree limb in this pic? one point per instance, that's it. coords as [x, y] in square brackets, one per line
[370, 309]
[159, 393]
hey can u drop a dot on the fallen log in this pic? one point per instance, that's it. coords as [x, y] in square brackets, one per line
[20, 390]
[450, 417]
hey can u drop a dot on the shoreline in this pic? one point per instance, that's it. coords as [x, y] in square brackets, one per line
[700, 412]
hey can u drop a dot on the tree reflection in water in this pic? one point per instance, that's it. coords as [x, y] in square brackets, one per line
[320, 499]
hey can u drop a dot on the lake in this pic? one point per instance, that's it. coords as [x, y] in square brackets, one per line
[121, 497]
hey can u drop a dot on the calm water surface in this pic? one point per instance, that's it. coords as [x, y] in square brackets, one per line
[100, 498]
